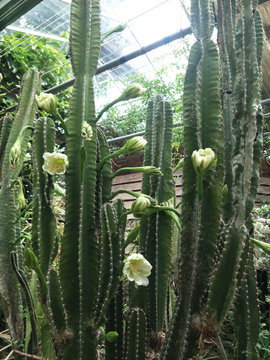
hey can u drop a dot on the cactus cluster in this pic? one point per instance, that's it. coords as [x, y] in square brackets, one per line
[201, 256]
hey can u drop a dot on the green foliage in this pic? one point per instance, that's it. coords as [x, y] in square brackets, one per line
[19, 52]
[264, 343]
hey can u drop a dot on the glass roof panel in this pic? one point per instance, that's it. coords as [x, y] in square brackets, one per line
[147, 22]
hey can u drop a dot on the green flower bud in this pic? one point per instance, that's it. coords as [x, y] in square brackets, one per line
[31, 260]
[1, 77]
[224, 194]
[16, 150]
[203, 160]
[132, 92]
[111, 336]
[58, 190]
[143, 206]
[134, 144]
[140, 204]
[20, 198]
[151, 170]
[15, 154]
[262, 245]
[179, 165]
[87, 131]
[47, 102]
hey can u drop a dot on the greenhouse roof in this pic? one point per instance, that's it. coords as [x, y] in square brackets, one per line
[147, 22]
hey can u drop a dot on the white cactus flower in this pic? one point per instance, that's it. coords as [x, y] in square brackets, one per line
[203, 160]
[55, 163]
[137, 269]
[47, 102]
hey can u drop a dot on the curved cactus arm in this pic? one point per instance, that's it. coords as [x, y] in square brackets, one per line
[44, 222]
[135, 344]
[28, 296]
[25, 114]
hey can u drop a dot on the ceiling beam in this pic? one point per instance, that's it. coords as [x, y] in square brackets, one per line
[11, 10]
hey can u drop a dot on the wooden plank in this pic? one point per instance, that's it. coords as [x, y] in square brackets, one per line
[133, 182]
[263, 190]
[133, 187]
[264, 180]
[129, 178]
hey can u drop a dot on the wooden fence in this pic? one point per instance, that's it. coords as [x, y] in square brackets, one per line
[133, 182]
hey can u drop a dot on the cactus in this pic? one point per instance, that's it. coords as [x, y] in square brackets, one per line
[68, 305]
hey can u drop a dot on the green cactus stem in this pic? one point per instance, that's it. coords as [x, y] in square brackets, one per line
[152, 170]
[28, 296]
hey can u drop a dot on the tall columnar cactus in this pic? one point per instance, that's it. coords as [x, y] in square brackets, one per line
[156, 230]
[210, 229]
[9, 232]
[68, 305]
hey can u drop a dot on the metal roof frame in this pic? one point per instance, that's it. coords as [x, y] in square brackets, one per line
[11, 10]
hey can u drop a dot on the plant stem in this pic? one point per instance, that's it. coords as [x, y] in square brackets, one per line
[200, 182]
[107, 158]
[64, 126]
[107, 108]
[124, 191]
[224, 356]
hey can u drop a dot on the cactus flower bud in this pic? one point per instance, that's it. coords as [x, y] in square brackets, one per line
[140, 204]
[224, 194]
[111, 336]
[55, 163]
[134, 144]
[58, 190]
[47, 102]
[16, 150]
[15, 154]
[203, 160]
[151, 170]
[1, 77]
[143, 206]
[87, 131]
[262, 245]
[132, 92]
[31, 260]
[20, 198]
[137, 268]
